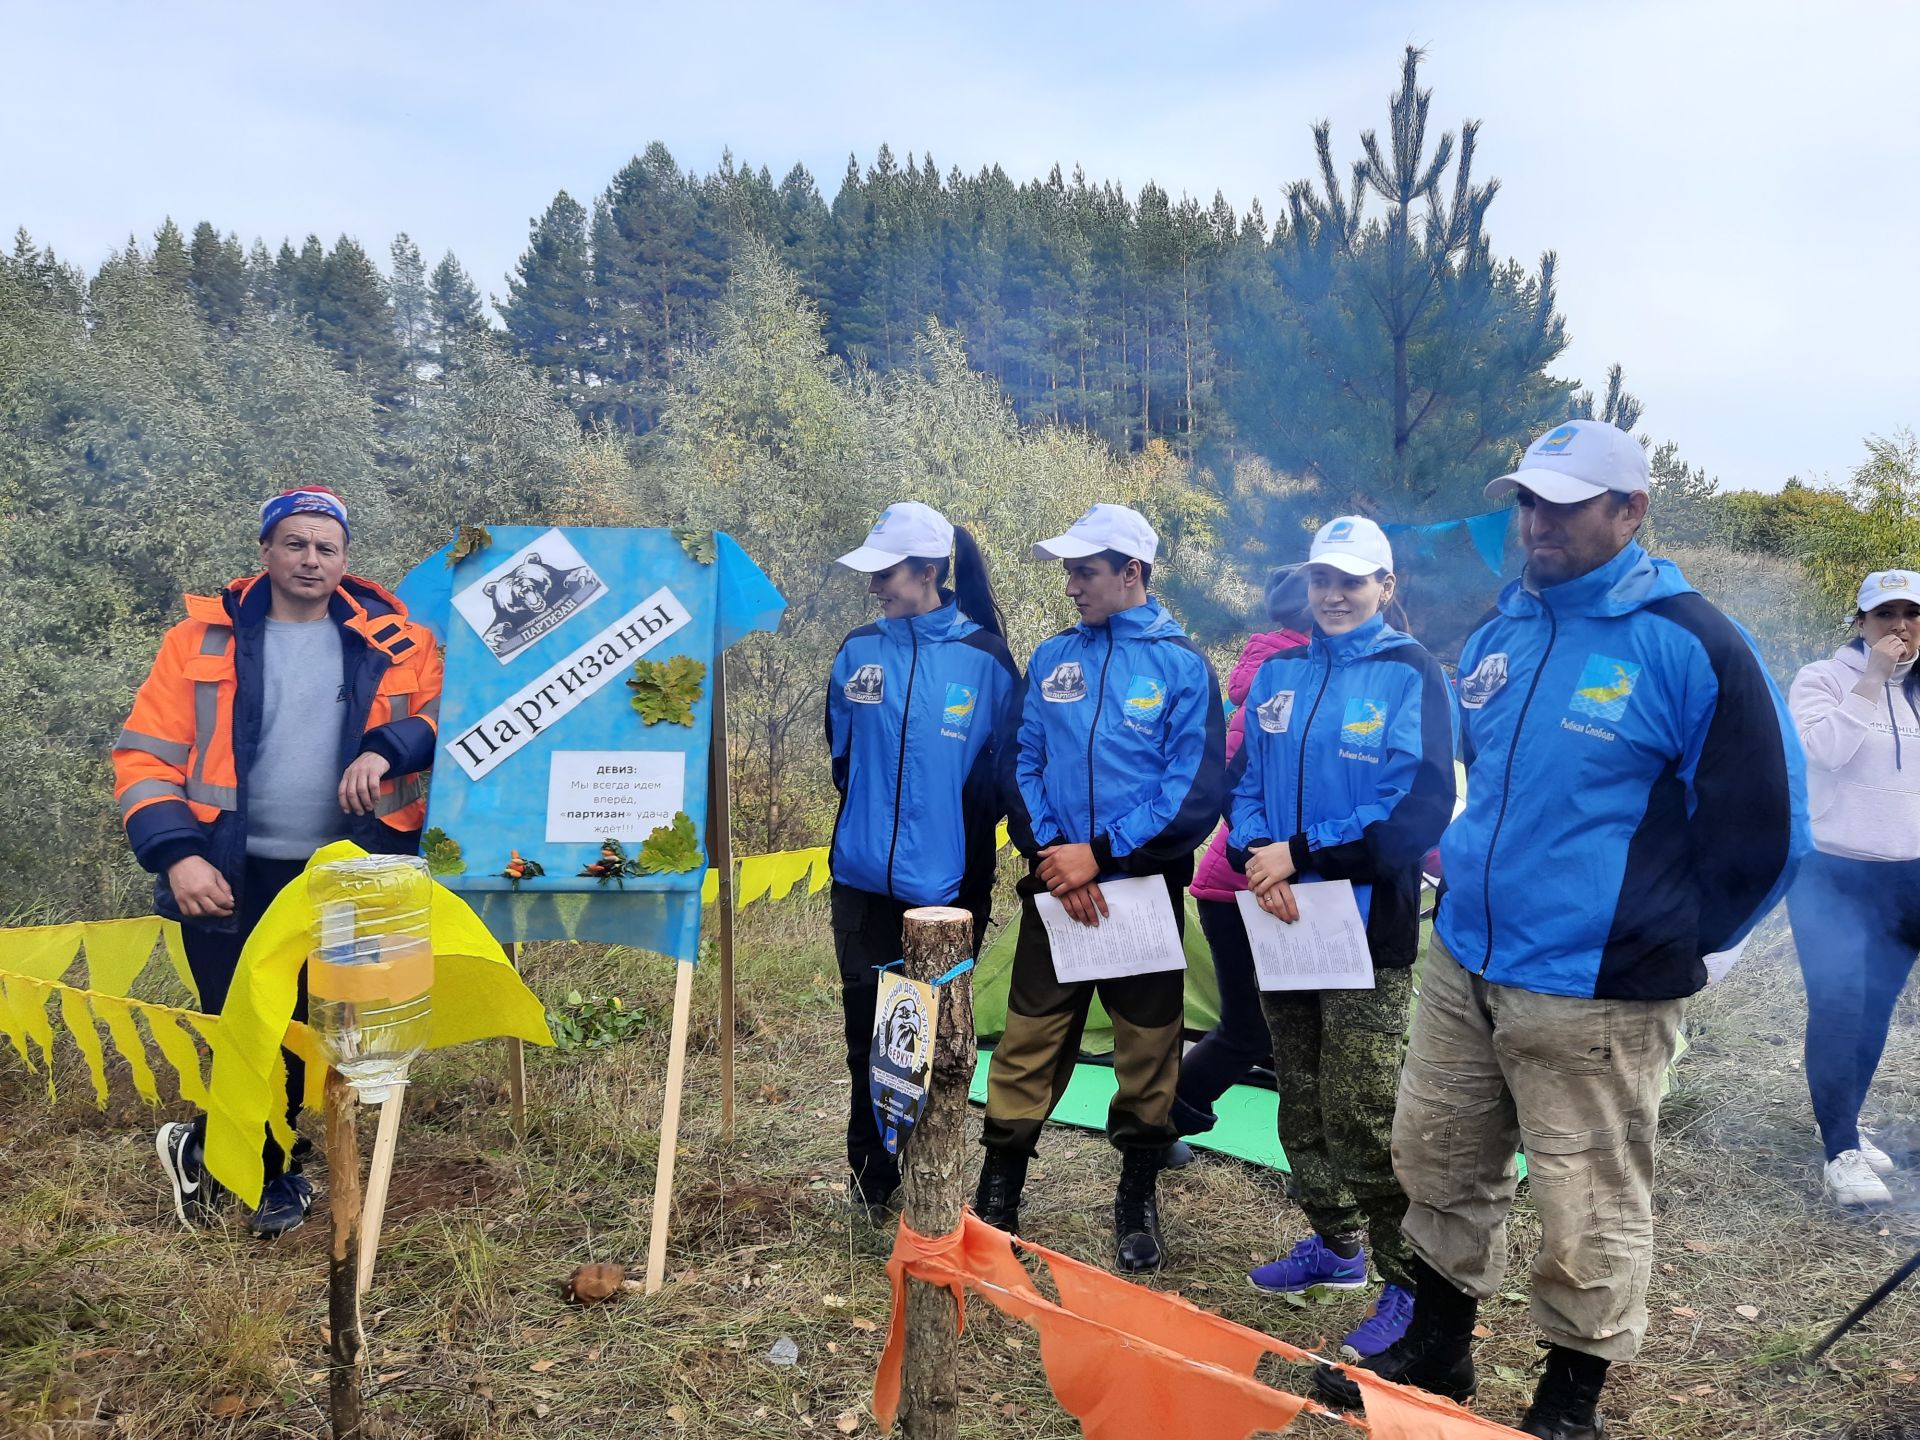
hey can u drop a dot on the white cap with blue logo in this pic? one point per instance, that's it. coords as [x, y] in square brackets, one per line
[1884, 585]
[1577, 461]
[1102, 528]
[1353, 545]
[905, 530]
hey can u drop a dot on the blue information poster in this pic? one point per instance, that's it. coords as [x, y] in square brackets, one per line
[576, 723]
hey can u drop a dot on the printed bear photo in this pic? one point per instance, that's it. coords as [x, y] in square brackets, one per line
[531, 599]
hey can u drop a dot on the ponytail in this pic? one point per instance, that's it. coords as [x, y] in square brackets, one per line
[971, 589]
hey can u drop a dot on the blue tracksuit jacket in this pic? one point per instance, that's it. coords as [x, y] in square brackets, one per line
[917, 713]
[1348, 758]
[1122, 745]
[1636, 796]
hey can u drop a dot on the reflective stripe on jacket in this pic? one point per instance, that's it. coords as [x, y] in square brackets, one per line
[180, 765]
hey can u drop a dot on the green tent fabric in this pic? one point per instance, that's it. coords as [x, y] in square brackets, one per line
[993, 973]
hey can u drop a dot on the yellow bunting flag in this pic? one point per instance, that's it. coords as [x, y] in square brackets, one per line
[86, 1035]
[117, 1015]
[117, 951]
[27, 999]
[181, 1052]
[756, 874]
[177, 954]
[787, 871]
[40, 952]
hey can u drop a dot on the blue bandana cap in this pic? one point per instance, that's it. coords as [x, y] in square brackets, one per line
[317, 501]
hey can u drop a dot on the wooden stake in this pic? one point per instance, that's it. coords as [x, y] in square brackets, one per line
[720, 856]
[934, 940]
[379, 1172]
[516, 1063]
[669, 1127]
[343, 1293]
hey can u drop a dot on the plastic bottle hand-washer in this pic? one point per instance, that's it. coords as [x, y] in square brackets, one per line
[370, 971]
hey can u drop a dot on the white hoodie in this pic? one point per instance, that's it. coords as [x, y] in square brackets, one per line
[1863, 758]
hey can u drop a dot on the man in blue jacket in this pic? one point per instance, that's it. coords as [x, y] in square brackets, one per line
[1635, 801]
[1119, 770]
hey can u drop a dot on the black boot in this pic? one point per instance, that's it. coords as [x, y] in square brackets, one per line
[1436, 1353]
[1566, 1403]
[1136, 1212]
[996, 1199]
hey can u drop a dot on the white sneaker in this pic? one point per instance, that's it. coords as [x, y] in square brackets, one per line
[1851, 1181]
[1881, 1162]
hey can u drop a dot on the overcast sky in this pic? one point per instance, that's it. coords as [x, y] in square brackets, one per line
[1731, 187]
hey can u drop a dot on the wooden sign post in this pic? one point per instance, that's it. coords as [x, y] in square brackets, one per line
[933, 1179]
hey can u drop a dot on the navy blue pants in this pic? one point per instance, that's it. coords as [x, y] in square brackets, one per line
[1222, 1058]
[213, 956]
[1856, 926]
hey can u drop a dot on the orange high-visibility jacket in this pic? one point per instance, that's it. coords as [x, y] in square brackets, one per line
[180, 765]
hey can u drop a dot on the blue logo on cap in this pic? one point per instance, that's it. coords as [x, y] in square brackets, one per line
[1558, 441]
[1342, 530]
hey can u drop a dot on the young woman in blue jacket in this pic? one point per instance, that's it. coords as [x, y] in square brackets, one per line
[1346, 773]
[919, 704]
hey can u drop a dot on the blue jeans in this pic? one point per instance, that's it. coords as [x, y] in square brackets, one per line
[1240, 1041]
[1856, 926]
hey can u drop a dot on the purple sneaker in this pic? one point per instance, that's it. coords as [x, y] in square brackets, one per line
[1386, 1322]
[1308, 1265]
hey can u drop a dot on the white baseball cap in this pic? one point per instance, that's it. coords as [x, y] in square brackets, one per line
[1352, 544]
[1885, 585]
[1103, 527]
[1577, 461]
[906, 530]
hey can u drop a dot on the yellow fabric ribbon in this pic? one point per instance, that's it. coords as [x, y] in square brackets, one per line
[476, 996]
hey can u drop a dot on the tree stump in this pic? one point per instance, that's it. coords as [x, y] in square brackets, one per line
[933, 1175]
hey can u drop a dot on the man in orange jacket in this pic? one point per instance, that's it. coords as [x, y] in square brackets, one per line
[296, 708]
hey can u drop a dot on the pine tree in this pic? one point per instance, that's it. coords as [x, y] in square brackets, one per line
[169, 264]
[217, 275]
[548, 312]
[453, 305]
[354, 321]
[407, 293]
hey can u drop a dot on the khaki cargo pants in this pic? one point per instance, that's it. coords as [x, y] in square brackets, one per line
[1577, 1084]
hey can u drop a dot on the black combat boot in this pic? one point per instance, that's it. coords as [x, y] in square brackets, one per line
[1566, 1403]
[1435, 1355]
[1136, 1212]
[996, 1199]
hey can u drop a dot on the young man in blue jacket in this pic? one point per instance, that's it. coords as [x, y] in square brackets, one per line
[1635, 801]
[1119, 770]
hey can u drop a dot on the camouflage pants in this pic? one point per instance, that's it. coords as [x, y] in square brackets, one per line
[1336, 1062]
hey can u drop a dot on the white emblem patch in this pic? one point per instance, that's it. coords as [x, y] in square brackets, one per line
[868, 686]
[1276, 714]
[1485, 681]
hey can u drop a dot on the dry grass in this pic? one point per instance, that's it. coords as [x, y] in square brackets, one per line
[115, 1323]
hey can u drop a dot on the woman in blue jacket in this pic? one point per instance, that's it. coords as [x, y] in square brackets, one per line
[1346, 773]
[918, 705]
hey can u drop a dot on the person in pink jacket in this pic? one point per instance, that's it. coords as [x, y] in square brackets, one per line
[1222, 1058]
[1855, 905]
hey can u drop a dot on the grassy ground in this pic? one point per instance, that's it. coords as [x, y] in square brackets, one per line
[115, 1323]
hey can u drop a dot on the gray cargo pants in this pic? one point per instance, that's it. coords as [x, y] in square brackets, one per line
[1577, 1084]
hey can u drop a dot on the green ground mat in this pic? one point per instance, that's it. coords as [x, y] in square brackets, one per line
[1245, 1128]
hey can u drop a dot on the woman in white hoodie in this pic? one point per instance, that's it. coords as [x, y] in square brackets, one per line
[1855, 906]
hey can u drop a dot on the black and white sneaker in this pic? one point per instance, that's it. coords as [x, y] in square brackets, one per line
[197, 1197]
[284, 1203]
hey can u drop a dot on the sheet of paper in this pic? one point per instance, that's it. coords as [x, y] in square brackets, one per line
[1137, 935]
[622, 794]
[1325, 949]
